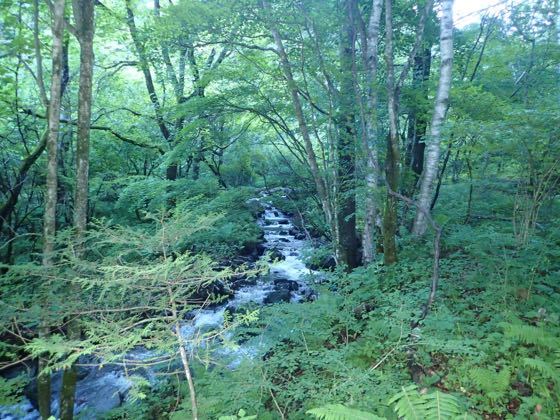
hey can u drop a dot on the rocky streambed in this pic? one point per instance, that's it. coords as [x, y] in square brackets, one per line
[99, 390]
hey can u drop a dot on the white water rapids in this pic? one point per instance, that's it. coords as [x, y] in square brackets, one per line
[102, 389]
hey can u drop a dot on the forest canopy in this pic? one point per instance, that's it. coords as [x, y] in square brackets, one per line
[272, 209]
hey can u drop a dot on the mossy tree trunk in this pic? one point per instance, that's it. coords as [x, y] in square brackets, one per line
[346, 168]
[83, 11]
[393, 152]
[49, 219]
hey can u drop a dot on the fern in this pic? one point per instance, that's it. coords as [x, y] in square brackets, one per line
[341, 412]
[546, 369]
[528, 334]
[493, 384]
[410, 404]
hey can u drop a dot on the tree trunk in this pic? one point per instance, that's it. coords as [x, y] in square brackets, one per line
[183, 353]
[172, 170]
[9, 206]
[84, 17]
[49, 221]
[393, 153]
[417, 121]
[369, 139]
[346, 170]
[440, 109]
[296, 103]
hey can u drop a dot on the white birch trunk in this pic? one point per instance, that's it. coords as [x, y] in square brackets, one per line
[369, 144]
[440, 109]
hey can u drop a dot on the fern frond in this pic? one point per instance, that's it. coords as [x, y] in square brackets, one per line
[441, 406]
[492, 383]
[556, 361]
[410, 404]
[341, 412]
[548, 370]
[529, 334]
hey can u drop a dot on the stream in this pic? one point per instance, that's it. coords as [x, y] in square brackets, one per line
[99, 390]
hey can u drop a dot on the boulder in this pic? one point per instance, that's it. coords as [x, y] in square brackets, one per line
[324, 263]
[283, 222]
[216, 291]
[276, 254]
[261, 249]
[240, 280]
[277, 296]
[285, 284]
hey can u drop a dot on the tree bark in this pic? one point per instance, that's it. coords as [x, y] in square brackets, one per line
[346, 168]
[183, 354]
[172, 170]
[393, 153]
[49, 220]
[370, 39]
[296, 103]
[417, 119]
[9, 206]
[440, 109]
[83, 11]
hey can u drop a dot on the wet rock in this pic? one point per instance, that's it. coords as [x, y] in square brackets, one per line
[276, 254]
[325, 263]
[240, 280]
[284, 240]
[278, 296]
[285, 284]
[216, 291]
[283, 222]
[309, 295]
[261, 249]
[300, 236]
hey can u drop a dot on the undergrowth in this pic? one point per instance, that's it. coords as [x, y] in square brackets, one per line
[488, 348]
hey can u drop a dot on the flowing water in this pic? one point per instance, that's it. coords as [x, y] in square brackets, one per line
[99, 390]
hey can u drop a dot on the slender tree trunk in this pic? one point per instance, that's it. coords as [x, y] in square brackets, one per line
[346, 169]
[172, 170]
[49, 221]
[393, 153]
[369, 139]
[469, 200]
[183, 354]
[440, 109]
[441, 175]
[296, 103]
[418, 122]
[9, 206]
[84, 17]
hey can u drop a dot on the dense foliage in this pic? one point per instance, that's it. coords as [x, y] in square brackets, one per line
[143, 144]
